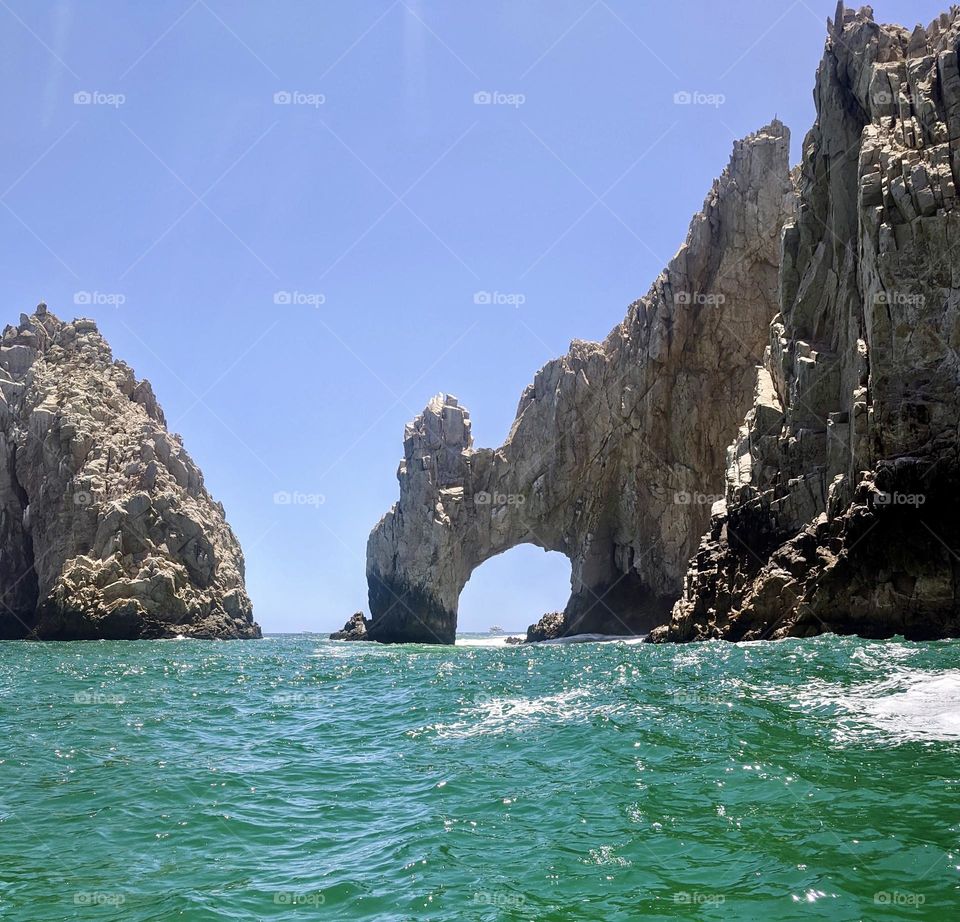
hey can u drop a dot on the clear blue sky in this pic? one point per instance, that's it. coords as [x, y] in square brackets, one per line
[383, 191]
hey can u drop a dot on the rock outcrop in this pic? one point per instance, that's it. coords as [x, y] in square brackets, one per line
[106, 530]
[354, 629]
[549, 627]
[842, 508]
[617, 448]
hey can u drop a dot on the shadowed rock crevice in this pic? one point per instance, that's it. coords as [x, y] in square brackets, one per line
[617, 447]
[18, 577]
[106, 529]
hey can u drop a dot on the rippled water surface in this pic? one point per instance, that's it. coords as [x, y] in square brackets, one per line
[299, 778]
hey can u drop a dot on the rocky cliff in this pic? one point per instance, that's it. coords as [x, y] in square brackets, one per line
[617, 448]
[106, 530]
[841, 510]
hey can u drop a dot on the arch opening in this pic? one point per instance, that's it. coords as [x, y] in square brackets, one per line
[514, 589]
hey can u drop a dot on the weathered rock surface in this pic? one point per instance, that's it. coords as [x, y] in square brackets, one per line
[106, 530]
[354, 629]
[842, 504]
[549, 627]
[617, 446]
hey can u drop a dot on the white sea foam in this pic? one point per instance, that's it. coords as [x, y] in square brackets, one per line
[594, 638]
[497, 640]
[909, 706]
[926, 707]
[494, 716]
[501, 640]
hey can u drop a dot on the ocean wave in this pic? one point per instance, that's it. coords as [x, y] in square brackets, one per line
[593, 638]
[912, 705]
[499, 640]
[496, 716]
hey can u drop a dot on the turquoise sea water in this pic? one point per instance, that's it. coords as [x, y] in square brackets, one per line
[299, 778]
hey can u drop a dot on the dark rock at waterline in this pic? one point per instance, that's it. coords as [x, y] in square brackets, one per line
[549, 627]
[354, 629]
[660, 634]
[624, 609]
[874, 566]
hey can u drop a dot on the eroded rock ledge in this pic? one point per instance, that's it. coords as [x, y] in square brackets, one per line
[842, 504]
[618, 447]
[106, 529]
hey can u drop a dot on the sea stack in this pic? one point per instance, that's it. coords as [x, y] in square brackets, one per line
[106, 529]
[842, 508]
[617, 447]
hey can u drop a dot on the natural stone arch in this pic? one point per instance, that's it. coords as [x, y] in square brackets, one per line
[608, 440]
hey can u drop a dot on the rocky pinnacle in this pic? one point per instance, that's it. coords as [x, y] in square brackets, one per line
[106, 529]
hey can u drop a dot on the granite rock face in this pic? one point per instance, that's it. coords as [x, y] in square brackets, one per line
[618, 448]
[106, 529]
[841, 501]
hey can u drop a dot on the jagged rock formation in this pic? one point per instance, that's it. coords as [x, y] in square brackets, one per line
[842, 510]
[617, 446]
[354, 629]
[106, 530]
[549, 627]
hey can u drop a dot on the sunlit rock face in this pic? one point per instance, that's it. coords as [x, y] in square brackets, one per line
[843, 487]
[618, 448]
[106, 529]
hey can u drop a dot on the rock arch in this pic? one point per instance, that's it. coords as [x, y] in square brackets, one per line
[617, 447]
